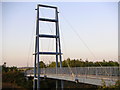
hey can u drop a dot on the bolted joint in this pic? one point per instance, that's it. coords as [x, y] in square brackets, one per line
[37, 35]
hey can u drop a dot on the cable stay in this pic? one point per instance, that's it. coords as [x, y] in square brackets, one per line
[84, 43]
[73, 75]
[30, 48]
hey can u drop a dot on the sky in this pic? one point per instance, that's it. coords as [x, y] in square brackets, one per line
[88, 30]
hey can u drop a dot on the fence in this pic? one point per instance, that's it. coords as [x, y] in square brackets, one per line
[98, 71]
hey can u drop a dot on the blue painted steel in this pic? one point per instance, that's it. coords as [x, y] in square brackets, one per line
[48, 36]
[58, 48]
[62, 83]
[49, 20]
[47, 6]
[38, 69]
[48, 53]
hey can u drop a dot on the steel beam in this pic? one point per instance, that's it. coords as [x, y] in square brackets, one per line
[49, 20]
[48, 53]
[38, 66]
[62, 83]
[47, 6]
[56, 46]
[48, 36]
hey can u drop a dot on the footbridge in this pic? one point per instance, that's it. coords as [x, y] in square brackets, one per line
[88, 75]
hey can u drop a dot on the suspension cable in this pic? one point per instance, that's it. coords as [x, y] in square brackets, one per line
[74, 30]
[63, 55]
[30, 48]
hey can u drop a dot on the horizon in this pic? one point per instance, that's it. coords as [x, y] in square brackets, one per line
[64, 60]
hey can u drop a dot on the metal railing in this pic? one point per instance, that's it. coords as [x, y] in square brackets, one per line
[108, 72]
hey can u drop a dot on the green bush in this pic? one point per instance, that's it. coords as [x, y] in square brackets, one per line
[110, 87]
[16, 77]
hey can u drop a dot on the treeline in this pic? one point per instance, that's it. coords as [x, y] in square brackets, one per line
[9, 69]
[80, 63]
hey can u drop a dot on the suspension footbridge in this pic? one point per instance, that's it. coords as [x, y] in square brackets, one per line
[88, 75]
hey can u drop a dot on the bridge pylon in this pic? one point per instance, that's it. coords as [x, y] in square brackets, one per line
[36, 83]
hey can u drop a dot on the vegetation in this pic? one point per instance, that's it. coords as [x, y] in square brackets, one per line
[81, 63]
[42, 64]
[9, 69]
[110, 87]
[13, 78]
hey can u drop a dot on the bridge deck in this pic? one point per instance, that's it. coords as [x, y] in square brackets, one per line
[95, 76]
[89, 79]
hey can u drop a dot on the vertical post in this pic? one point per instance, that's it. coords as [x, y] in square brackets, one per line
[38, 66]
[56, 47]
[96, 72]
[59, 47]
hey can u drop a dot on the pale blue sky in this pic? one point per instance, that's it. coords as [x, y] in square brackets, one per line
[95, 23]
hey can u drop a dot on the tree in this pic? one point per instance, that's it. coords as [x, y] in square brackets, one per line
[42, 64]
[64, 63]
[81, 63]
[5, 69]
[13, 68]
[53, 64]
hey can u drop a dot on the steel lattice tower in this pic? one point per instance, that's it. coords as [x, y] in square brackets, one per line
[36, 83]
